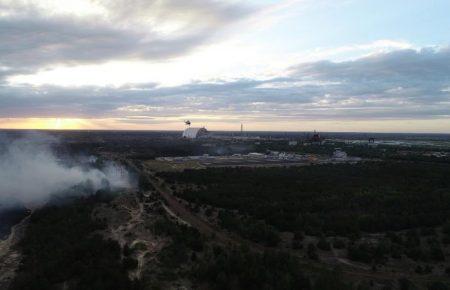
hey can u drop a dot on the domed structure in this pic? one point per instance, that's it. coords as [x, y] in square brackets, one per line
[339, 154]
[193, 133]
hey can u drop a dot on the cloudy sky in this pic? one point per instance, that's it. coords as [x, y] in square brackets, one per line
[330, 65]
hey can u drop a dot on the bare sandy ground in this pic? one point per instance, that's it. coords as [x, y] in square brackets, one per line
[9, 256]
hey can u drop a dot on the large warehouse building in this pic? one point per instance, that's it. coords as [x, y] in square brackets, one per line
[193, 133]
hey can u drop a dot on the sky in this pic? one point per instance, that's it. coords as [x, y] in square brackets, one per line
[283, 65]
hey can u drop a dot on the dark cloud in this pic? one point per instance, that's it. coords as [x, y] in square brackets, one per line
[32, 39]
[397, 66]
[387, 89]
[419, 76]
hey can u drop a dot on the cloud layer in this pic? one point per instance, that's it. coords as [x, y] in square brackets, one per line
[403, 83]
[36, 36]
[397, 85]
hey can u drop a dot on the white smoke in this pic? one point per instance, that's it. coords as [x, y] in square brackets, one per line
[30, 172]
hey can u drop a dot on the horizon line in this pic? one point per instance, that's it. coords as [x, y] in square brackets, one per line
[229, 131]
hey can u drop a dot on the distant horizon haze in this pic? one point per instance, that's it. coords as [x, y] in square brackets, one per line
[233, 128]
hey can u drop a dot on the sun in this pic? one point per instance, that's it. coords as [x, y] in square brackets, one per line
[58, 123]
[65, 124]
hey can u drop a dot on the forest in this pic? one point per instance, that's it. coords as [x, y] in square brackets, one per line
[341, 199]
[60, 247]
[329, 207]
[210, 265]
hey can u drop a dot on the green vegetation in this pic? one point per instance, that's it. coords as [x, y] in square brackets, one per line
[339, 199]
[337, 204]
[61, 247]
[190, 255]
[385, 152]
[185, 241]
[242, 269]
[255, 230]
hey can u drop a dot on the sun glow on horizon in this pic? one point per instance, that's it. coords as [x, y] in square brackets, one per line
[44, 123]
[217, 124]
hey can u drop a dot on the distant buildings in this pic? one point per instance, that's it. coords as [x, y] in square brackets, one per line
[315, 139]
[270, 158]
[194, 133]
[436, 154]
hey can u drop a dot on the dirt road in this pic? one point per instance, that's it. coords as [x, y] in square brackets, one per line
[186, 215]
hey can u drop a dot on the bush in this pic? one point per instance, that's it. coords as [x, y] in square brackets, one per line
[323, 244]
[129, 263]
[312, 252]
[437, 254]
[438, 286]
[297, 245]
[299, 236]
[428, 232]
[446, 239]
[173, 255]
[446, 228]
[361, 252]
[405, 284]
[330, 280]
[241, 269]
[338, 243]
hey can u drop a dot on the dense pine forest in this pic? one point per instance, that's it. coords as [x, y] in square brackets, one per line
[61, 248]
[334, 199]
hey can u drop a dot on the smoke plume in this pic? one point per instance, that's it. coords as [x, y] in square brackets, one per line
[30, 172]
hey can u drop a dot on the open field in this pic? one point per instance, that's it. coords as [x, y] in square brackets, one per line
[239, 160]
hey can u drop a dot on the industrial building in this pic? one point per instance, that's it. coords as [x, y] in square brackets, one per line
[194, 133]
[316, 138]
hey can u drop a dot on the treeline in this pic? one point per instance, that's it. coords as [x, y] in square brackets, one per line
[139, 148]
[386, 152]
[341, 199]
[61, 250]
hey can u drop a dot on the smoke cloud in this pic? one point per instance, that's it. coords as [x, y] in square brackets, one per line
[30, 171]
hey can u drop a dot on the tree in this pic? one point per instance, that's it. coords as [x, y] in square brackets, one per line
[312, 252]
[323, 244]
